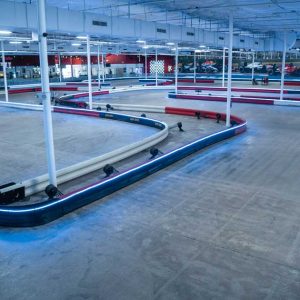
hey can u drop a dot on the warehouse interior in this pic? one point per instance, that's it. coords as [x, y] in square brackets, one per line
[149, 149]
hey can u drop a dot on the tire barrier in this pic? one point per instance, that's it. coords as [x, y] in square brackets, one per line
[288, 100]
[236, 89]
[51, 209]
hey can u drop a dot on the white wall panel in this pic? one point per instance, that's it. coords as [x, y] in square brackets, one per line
[70, 21]
[95, 29]
[175, 33]
[123, 26]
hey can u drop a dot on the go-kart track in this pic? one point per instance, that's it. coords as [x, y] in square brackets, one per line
[46, 211]
[236, 198]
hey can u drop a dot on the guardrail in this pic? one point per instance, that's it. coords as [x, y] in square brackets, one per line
[41, 213]
[39, 183]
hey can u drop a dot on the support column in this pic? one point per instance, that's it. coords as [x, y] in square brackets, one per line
[46, 96]
[89, 70]
[72, 71]
[156, 67]
[146, 64]
[253, 60]
[103, 68]
[283, 67]
[98, 61]
[59, 66]
[195, 66]
[228, 104]
[223, 67]
[4, 72]
[176, 69]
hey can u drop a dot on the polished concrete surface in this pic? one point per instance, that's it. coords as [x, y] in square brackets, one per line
[76, 138]
[220, 224]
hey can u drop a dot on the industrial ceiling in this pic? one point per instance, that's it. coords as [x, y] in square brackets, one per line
[255, 16]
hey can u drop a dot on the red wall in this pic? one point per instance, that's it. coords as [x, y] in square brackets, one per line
[33, 60]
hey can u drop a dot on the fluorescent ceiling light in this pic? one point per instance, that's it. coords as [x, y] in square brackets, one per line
[15, 42]
[170, 44]
[81, 37]
[202, 46]
[5, 32]
[145, 47]
[141, 41]
[76, 44]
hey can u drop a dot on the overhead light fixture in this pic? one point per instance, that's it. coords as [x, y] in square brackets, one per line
[170, 44]
[81, 37]
[5, 32]
[202, 46]
[76, 44]
[145, 47]
[141, 41]
[15, 42]
[198, 51]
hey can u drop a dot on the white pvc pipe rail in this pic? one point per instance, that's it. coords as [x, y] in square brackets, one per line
[39, 183]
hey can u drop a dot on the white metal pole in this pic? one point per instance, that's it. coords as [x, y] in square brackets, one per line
[59, 66]
[99, 74]
[176, 69]
[283, 67]
[223, 67]
[146, 64]
[88, 52]
[4, 72]
[156, 68]
[103, 68]
[228, 104]
[195, 67]
[253, 59]
[46, 96]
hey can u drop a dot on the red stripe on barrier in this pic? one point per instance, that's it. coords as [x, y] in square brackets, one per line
[63, 88]
[76, 112]
[275, 98]
[190, 112]
[203, 113]
[250, 90]
[292, 83]
[223, 99]
[197, 80]
[93, 94]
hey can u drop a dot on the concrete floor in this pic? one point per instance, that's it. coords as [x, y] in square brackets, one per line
[223, 224]
[75, 138]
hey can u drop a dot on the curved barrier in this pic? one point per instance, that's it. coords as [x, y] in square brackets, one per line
[221, 99]
[39, 183]
[270, 97]
[41, 213]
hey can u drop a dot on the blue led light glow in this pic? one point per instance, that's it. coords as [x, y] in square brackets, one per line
[41, 213]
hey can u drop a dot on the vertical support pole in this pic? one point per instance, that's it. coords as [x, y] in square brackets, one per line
[59, 66]
[253, 59]
[146, 64]
[283, 67]
[4, 72]
[46, 97]
[195, 66]
[72, 71]
[103, 68]
[176, 69]
[229, 79]
[89, 70]
[98, 61]
[156, 68]
[223, 67]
